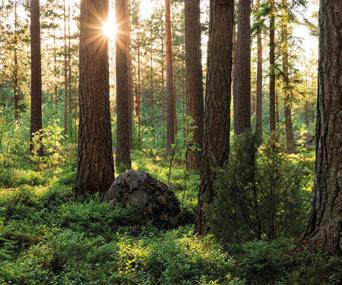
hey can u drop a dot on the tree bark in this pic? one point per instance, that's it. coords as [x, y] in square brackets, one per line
[290, 144]
[169, 80]
[123, 149]
[130, 80]
[194, 80]
[218, 97]
[66, 84]
[70, 97]
[36, 76]
[325, 226]
[242, 106]
[16, 89]
[259, 105]
[272, 103]
[95, 170]
[138, 94]
[55, 72]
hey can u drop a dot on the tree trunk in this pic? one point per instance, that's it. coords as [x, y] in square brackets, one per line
[55, 72]
[153, 120]
[36, 76]
[259, 106]
[16, 90]
[277, 117]
[95, 170]
[138, 94]
[242, 106]
[163, 82]
[193, 80]
[70, 101]
[218, 96]
[123, 149]
[169, 80]
[272, 106]
[325, 226]
[66, 86]
[290, 145]
[130, 81]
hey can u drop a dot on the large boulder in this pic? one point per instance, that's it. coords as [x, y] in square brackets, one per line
[153, 199]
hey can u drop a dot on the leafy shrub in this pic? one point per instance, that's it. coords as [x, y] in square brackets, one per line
[261, 197]
[95, 217]
[261, 262]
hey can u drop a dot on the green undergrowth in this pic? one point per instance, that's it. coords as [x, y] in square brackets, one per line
[48, 236]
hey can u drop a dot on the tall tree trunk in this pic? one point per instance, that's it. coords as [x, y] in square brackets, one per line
[272, 103]
[286, 79]
[123, 150]
[70, 99]
[325, 226]
[259, 105]
[277, 116]
[95, 169]
[138, 94]
[130, 81]
[36, 76]
[66, 88]
[234, 77]
[163, 81]
[171, 128]
[218, 97]
[152, 87]
[194, 80]
[16, 90]
[242, 105]
[55, 72]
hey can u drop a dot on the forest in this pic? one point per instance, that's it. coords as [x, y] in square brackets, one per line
[171, 142]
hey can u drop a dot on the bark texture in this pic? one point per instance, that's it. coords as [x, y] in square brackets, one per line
[95, 170]
[170, 94]
[272, 103]
[193, 79]
[36, 74]
[290, 144]
[325, 227]
[242, 107]
[66, 72]
[123, 90]
[15, 75]
[218, 97]
[259, 105]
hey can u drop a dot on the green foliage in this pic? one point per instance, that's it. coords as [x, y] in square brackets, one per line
[255, 193]
[47, 236]
[262, 262]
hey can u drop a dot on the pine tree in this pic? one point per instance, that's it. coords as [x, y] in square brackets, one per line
[242, 106]
[95, 170]
[259, 99]
[36, 77]
[324, 229]
[218, 97]
[170, 94]
[123, 150]
[286, 77]
[272, 88]
[194, 84]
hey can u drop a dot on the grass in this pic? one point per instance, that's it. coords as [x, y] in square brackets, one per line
[47, 236]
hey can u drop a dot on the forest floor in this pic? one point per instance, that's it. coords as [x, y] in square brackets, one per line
[47, 236]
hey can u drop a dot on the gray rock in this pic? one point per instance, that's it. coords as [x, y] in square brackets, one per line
[152, 198]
